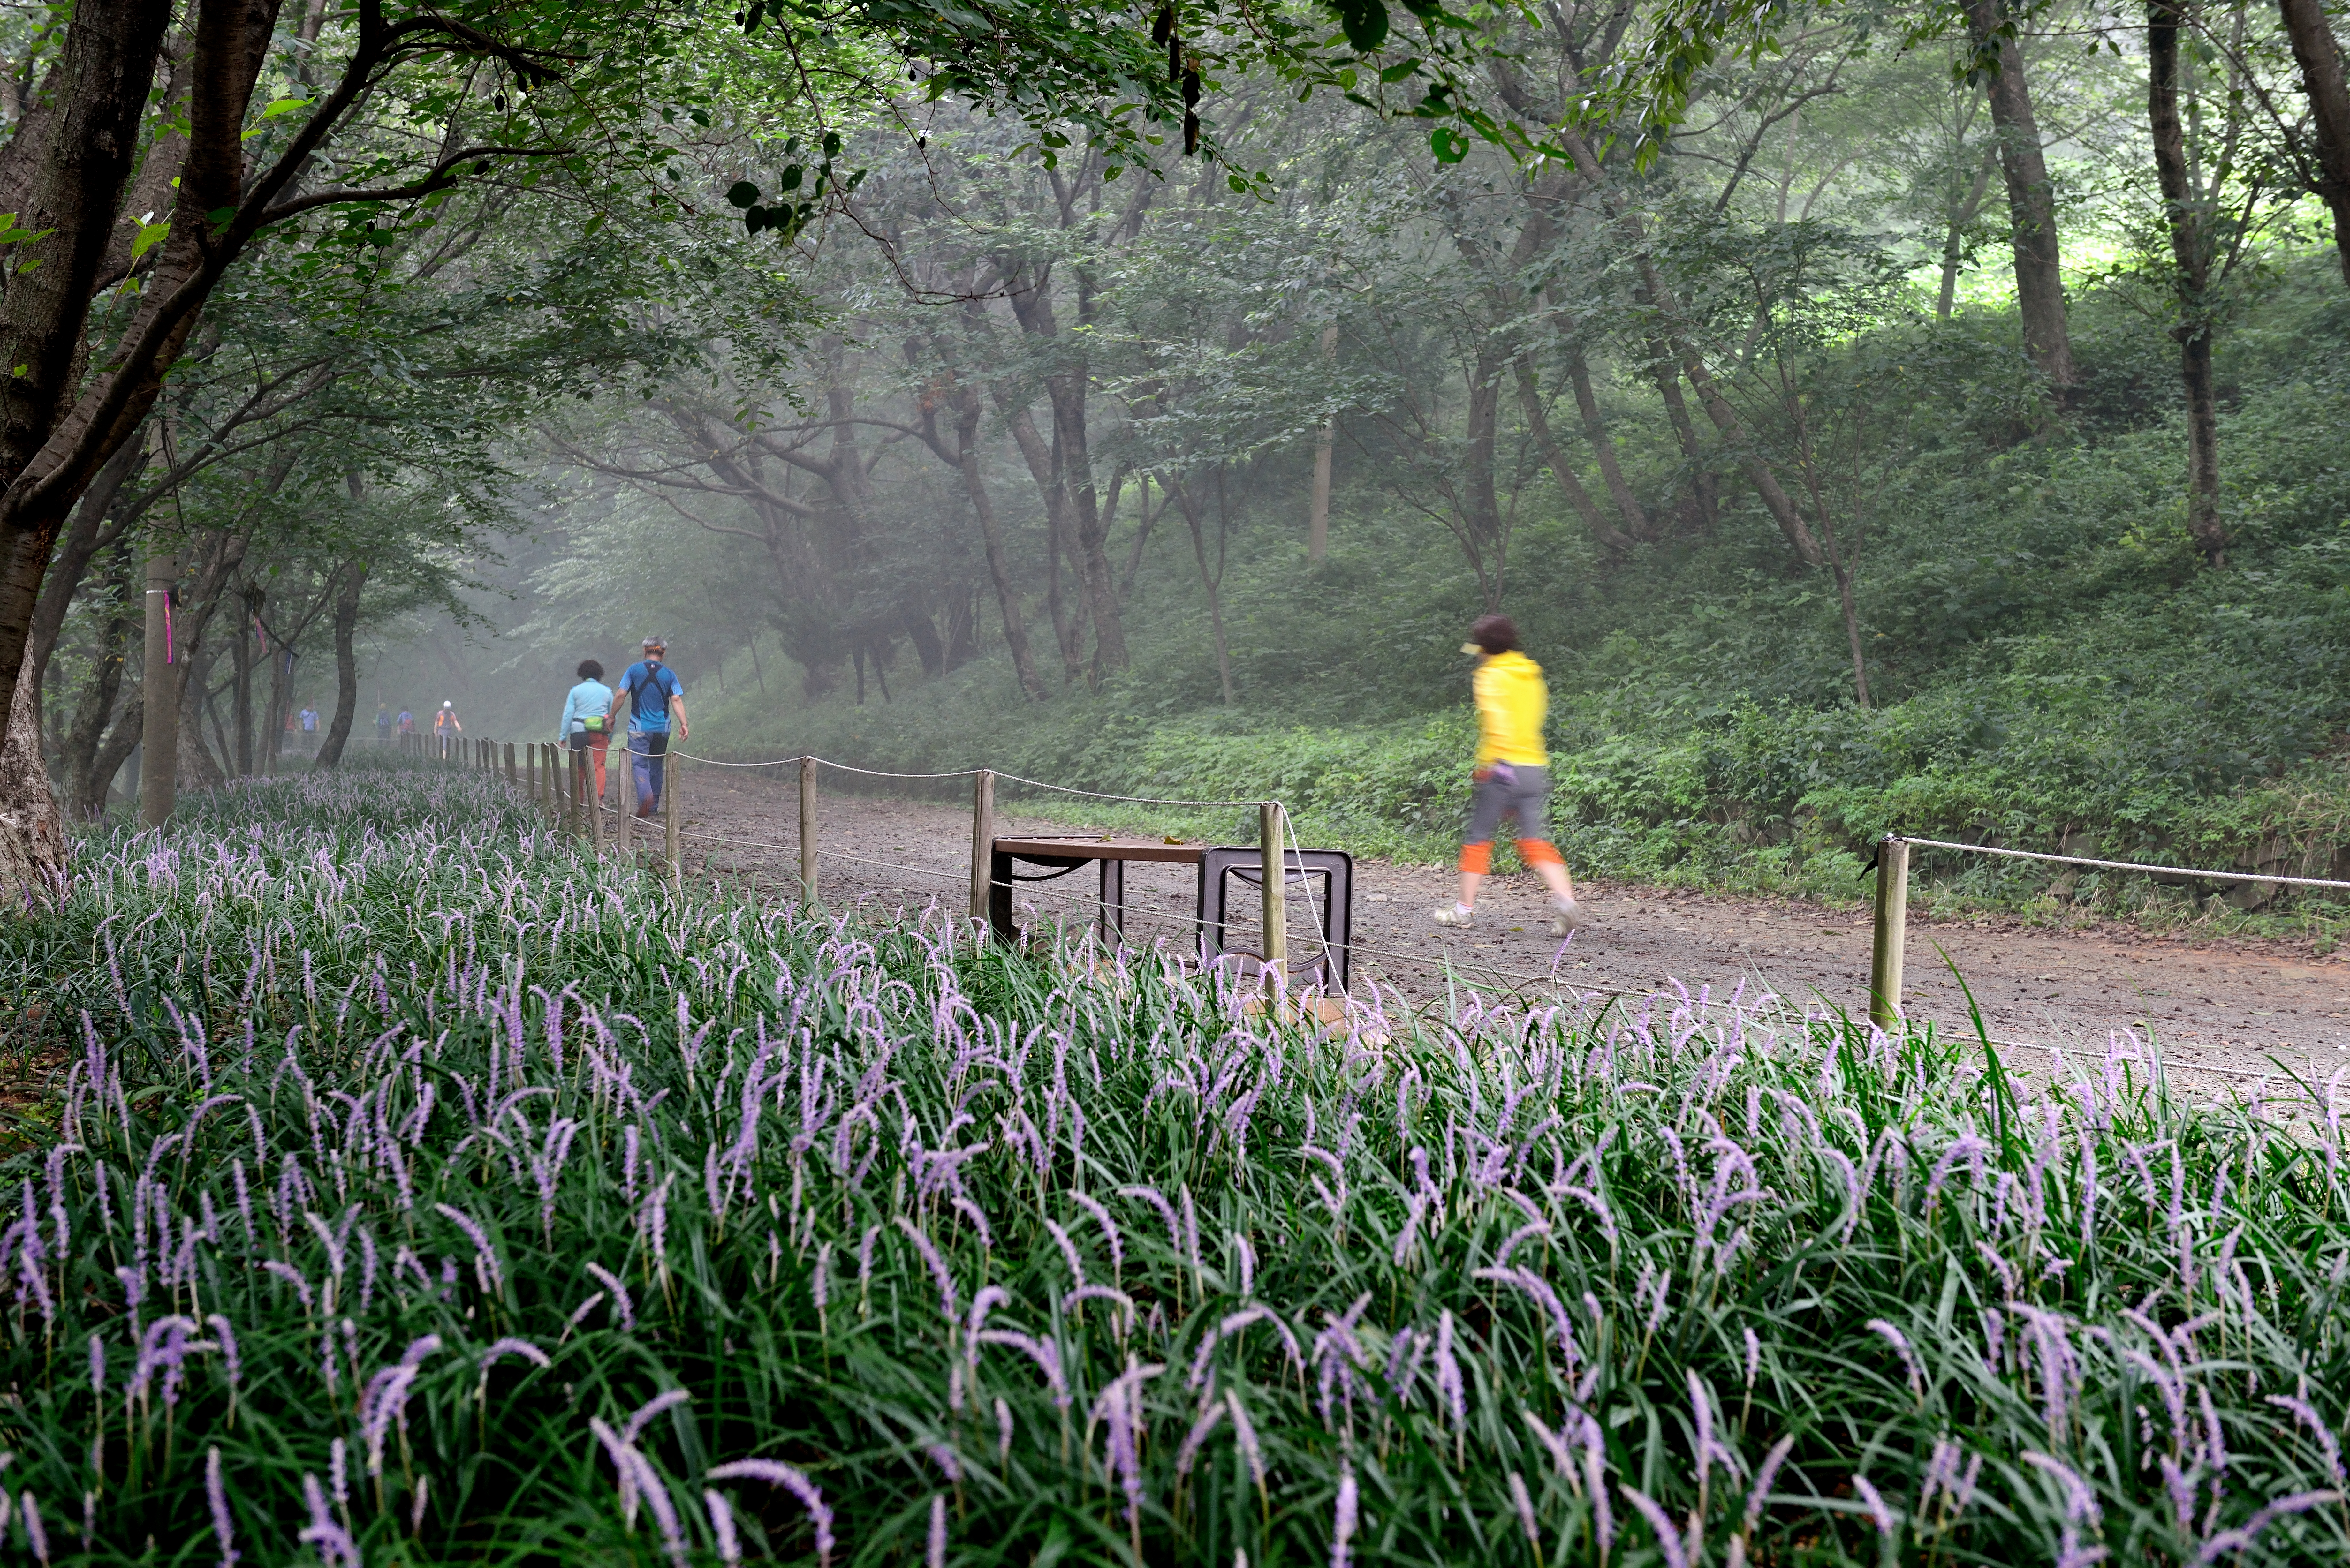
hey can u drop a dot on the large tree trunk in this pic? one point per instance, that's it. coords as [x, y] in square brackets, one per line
[2190, 254]
[82, 541]
[2031, 200]
[32, 831]
[346, 667]
[2320, 60]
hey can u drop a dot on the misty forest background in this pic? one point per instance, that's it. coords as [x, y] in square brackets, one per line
[1846, 463]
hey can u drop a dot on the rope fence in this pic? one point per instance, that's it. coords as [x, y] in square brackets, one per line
[561, 782]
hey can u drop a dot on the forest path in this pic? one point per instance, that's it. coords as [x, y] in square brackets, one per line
[2223, 1007]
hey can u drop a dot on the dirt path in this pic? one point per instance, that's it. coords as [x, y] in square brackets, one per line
[2224, 1007]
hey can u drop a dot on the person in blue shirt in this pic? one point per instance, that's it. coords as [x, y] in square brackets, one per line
[586, 723]
[655, 699]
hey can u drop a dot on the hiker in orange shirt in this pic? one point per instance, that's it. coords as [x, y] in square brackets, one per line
[1511, 774]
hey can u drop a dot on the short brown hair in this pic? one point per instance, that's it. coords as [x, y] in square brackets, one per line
[1495, 633]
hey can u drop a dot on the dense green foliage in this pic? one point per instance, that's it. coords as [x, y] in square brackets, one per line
[419, 1191]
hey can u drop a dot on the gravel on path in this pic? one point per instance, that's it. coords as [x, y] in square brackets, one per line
[2219, 1009]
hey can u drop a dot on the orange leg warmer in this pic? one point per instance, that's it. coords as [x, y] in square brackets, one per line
[1538, 852]
[1477, 859]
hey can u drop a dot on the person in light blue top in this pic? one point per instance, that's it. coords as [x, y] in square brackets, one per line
[586, 723]
[654, 698]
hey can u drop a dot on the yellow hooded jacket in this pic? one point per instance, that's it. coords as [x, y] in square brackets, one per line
[1511, 703]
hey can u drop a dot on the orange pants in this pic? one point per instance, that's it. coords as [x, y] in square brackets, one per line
[1477, 859]
[597, 746]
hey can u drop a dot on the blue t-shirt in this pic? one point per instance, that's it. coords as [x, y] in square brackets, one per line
[650, 687]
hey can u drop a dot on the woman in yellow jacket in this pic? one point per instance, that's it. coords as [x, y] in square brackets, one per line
[1512, 776]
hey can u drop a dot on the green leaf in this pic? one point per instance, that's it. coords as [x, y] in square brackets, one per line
[1365, 21]
[150, 236]
[1398, 73]
[742, 193]
[285, 105]
[792, 174]
[1449, 145]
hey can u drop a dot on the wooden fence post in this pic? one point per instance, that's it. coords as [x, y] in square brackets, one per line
[622, 787]
[511, 782]
[807, 830]
[1892, 919]
[1273, 867]
[982, 840]
[669, 812]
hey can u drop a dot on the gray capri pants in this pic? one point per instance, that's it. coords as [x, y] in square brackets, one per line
[1512, 790]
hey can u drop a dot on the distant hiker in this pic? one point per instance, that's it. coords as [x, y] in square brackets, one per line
[654, 696]
[407, 723]
[382, 725]
[1510, 774]
[445, 730]
[586, 722]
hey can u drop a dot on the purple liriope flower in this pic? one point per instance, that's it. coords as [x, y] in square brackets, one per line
[793, 1482]
[1166, 1210]
[1108, 1229]
[865, 1257]
[1002, 1434]
[2305, 1415]
[1875, 1503]
[1753, 1358]
[1068, 1253]
[1758, 1497]
[226, 1338]
[2242, 1538]
[1525, 1507]
[1668, 1541]
[1900, 1343]
[339, 1472]
[937, 1265]
[1189, 1453]
[511, 1346]
[485, 1259]
[1449, 1386]
[35, 1536]
[936, 1553]
[97, 1366]
[618, 1292]
[1342, 1529]
[1244, 1430]
[721, 1527]
[334, 1542]
[644, 1413]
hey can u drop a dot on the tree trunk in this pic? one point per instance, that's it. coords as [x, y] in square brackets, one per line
[99, 693]
[120, 741]
[1317, 520]
[991, 535]
[1484, 419]
[2320, 60]
[241, 701]
[1955, 231]
[347, 665]
[1530, 401]
[2031, 199]
[1603, 444]
[81, 543]
[2190, 254]
[32, 831]
[1208, 580]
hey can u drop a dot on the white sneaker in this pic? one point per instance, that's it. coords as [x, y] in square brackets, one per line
[1455, 916]
[1568, 917]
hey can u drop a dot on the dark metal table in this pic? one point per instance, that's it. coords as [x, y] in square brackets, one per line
[1334, 869]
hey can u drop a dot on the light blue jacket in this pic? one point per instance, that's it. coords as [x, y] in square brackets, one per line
[588, 699]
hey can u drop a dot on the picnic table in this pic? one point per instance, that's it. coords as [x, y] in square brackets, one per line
[1332, 868]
